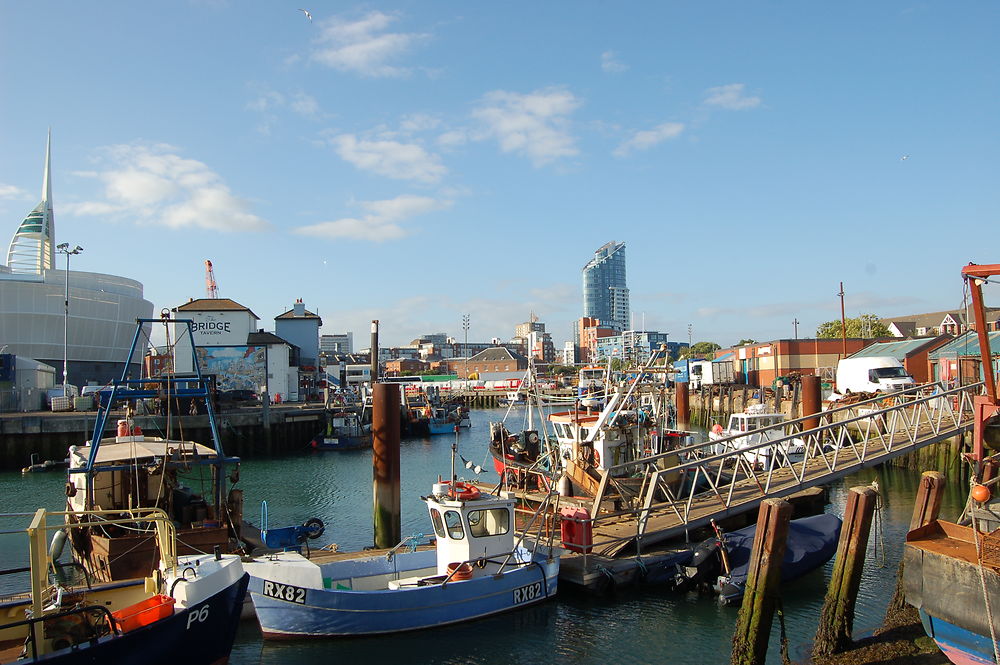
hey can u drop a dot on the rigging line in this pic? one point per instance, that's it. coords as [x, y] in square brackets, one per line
[982, 582]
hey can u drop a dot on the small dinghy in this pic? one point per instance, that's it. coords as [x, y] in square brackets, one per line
[812, 541]
[479, 566]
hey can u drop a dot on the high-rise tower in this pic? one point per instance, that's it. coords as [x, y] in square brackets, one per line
[605, 294]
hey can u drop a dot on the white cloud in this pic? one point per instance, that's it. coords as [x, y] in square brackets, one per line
[11, 192]
[363, 46]
[382, 221]
[393, 159]
[646, 139]
[304, 104]
[535, 125]
[154, 185]
[730, 97]
[453, 138]
[610, 63]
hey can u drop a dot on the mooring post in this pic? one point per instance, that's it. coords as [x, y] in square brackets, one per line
[837, 618]
[926, 508]
[385, 463]
[753, 627]
[682, 403]
[812, 405]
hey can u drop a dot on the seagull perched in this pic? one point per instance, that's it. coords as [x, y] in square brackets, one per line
[308, 15]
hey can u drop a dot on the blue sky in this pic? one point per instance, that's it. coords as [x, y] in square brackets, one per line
[416, 161]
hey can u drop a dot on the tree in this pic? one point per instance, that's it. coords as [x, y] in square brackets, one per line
[745, 342]
[706, 349]
[866, 326]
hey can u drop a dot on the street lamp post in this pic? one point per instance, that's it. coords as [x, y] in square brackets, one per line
[64, 249]
[465, 327]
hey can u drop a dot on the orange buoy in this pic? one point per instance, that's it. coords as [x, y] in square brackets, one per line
[981, 493]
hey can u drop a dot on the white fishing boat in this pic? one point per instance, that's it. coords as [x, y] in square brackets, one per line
[753, 427]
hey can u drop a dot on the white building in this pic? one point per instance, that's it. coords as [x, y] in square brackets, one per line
[102, 308]
[231, 347]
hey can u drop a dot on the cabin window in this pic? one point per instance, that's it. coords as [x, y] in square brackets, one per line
[438, 524]
[492, 522]
[583, 433]
[453, 521]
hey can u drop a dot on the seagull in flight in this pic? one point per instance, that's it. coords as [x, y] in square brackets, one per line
[904, 158]
[308, 15]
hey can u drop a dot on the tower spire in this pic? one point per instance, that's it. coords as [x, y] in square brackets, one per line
[47, 199]
[32, 249]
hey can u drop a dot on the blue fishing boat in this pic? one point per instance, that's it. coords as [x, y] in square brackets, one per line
[186, 612]
[479, 566]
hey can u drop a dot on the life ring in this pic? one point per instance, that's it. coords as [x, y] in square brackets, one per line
[462, 491]
[597, 458]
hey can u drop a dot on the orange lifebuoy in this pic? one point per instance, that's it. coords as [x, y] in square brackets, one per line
[462, 491]
[597, 458]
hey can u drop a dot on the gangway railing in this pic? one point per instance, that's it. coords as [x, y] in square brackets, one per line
[723, 477]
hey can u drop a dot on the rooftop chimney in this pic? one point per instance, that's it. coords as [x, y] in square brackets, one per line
[299, 308]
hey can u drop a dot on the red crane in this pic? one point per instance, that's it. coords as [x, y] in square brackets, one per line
[211, 288]
[987, 406]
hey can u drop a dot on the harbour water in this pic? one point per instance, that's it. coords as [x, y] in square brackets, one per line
[644, 625]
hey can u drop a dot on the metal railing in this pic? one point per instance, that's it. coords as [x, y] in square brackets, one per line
[675, 497]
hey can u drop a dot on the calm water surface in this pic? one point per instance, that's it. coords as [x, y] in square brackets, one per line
[647, 625]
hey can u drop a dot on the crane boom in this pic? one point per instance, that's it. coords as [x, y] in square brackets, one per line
[211, 288]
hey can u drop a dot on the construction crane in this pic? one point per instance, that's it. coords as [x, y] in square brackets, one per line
[211, 288]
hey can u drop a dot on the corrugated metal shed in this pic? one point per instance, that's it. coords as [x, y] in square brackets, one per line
[898, 350]
[965, 345]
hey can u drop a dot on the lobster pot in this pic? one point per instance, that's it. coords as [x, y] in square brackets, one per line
[62, 403]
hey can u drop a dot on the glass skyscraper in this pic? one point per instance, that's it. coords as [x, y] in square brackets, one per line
[605, 295]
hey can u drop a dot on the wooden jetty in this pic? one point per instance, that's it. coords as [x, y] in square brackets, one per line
[632, 531]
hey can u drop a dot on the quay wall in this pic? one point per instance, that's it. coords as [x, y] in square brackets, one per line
[243, 434]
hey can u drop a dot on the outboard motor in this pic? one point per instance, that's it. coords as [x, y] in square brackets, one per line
[703, 568]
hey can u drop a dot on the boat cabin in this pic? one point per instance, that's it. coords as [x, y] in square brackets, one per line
[137, 471]
[471, 526]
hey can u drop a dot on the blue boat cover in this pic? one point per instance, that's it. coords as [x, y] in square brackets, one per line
[812, 541]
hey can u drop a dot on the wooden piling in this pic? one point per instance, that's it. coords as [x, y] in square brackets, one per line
[385, 464]
[926, 508]
[682, 403]
[812, 404]
[753, 627]
[837, 618]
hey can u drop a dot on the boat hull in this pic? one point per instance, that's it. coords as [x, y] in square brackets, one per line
[323, 442]
[941, 578]
[447, 427]
[202, 634]
[337, 612]
[961, 646]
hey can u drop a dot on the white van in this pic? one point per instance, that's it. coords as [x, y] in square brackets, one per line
[872, 374]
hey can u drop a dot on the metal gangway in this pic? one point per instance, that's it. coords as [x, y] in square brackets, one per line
[715, 486]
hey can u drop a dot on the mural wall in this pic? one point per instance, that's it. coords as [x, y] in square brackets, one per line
[235, 367]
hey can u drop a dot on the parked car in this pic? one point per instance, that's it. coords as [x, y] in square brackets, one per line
[236, 396]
